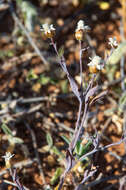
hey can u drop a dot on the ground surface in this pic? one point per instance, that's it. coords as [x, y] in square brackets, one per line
[23, 76]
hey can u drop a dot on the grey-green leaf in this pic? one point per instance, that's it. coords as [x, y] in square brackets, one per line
[77, 148]
[66, 139]
[16, 140]
[6, 129]
[49, 140]
[56, 176]
[61, 51]
[56, 151]
[84, 148]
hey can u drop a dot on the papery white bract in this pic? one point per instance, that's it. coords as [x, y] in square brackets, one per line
[97, 62]
[112, 42]
[7, 156]
[81, 30]
[48, 30]
[82, 26]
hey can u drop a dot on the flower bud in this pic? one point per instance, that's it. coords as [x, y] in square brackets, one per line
[81, 30]
[48, 30]
[7, 158]
[93, 69]
[79, 35]
[95, 64]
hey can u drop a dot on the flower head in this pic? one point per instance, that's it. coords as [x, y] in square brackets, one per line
[112, 42]
[95, 64]
[82, 26]
[7, 158]
[80, 30]
[48, 30]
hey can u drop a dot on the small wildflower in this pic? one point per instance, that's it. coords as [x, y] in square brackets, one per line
[7, 158]
[95, 64]
[48, 30]
[112, 42]
[80, 30]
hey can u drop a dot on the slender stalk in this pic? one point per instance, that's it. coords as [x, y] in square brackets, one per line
[82, 122]
[81, 75]
[74, 141]
[77, 132]
[79, 116]
[54, 45]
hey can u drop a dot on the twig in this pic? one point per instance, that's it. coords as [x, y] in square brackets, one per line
[86, 177]
[15, 179]
[16, 19]
[26, 100]
[122, 183]
[21, 164]
[101, 180]
[105, 127]
[36, 99]
[22, 113]
[60, 125]
[13, 184]
[102, 148]
[115, 155]
[36, 152]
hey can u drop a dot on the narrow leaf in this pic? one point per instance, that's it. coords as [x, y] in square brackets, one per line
[77, 147]
[17, 140]
[56, 176]
[56, 151]
[61, 51]
[91, 92]
[66, 139]
[6, 129]
[49, 139]
[74, 86]
[84, 148]
[99, 96]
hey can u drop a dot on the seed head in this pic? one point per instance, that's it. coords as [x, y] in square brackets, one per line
[7, 158]
[81, 30]
[95, 64]
[48, 30]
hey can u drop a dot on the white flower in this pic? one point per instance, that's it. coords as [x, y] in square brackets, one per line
[82, 26]
[46, 28]
[112, 42]
[7, 156]
[96, 62]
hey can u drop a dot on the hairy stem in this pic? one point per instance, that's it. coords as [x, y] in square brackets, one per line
[81, 76]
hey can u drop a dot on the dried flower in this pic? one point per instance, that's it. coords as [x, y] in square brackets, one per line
[112, 42]
[7, 158]
[95, 64]
[80, 30]
[48, 30]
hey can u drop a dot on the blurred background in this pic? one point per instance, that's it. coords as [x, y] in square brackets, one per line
[38, 110]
